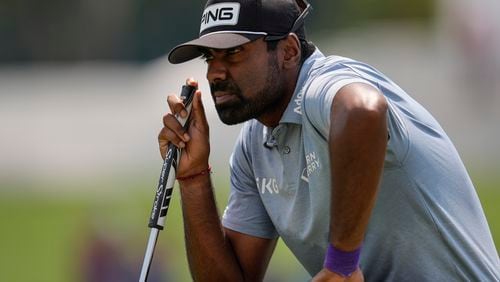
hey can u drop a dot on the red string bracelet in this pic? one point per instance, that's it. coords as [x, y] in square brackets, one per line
[203, 172]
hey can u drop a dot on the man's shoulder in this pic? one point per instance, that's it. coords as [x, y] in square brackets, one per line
[326, 72]
[320, 69]
[318, 61]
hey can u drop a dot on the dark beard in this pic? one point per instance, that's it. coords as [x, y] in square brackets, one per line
[246, 108]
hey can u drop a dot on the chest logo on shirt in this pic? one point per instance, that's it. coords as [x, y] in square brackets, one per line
[312, 164]
[267, 185]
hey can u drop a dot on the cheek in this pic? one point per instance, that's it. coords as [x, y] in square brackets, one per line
[253, 80]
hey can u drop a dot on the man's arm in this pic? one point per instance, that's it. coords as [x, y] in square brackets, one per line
[357, 143]
[214, 253]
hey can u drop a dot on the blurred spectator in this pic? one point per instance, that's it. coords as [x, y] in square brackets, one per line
[104, 259]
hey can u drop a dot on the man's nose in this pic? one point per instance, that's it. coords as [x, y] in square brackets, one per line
[216, 70]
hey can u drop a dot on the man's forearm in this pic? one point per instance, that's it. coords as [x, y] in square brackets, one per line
[210, 255]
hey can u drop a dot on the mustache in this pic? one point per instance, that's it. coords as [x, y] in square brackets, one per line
[226, 86]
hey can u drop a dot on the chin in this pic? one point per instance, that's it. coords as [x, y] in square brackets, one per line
[231, 120]
[232, 117]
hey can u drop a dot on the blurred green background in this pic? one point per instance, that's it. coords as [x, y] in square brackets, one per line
[83, 86]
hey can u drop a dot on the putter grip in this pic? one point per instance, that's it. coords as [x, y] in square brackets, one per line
[169, 168]
[187, 95]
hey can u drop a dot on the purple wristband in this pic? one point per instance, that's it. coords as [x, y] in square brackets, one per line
[341, 262]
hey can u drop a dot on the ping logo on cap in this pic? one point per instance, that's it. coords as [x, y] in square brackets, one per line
[220, 14]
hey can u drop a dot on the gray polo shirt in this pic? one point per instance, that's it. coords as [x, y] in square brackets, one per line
[427, 223]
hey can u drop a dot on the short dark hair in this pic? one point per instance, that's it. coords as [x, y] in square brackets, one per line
[306, 48]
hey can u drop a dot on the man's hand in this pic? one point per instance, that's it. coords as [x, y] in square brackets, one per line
[326, 275]
[194, 141]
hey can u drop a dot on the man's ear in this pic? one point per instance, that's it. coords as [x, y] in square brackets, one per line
[291, 50]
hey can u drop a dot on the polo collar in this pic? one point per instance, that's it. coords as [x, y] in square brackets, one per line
[293, 112]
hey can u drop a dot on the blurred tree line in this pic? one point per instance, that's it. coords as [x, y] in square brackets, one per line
[141, 30]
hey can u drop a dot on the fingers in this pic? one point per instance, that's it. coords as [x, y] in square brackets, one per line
[168, 136]
[192, 82]
[176, 106]
[173, 131]
[198, 111]
[163, 143]
[175, 102]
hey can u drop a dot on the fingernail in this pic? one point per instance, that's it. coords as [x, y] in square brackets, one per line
[186, 137]
[184, 113]
[182, 144]
[190, 81]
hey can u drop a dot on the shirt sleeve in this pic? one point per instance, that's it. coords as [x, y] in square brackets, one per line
[245, 212]
[319, 98]
[322, 90]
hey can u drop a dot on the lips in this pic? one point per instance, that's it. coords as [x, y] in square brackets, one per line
[221, 97]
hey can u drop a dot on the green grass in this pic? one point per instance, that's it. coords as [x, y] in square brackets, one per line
[43, 237]
[35, 237]
[489, 195]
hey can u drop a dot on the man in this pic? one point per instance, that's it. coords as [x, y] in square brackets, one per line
[357, 178]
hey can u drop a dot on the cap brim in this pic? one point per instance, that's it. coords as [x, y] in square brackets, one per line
[191, 49]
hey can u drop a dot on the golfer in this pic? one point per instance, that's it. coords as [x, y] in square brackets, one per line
[355, 176]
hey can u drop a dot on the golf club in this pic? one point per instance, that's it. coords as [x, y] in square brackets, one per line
[165, 187]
